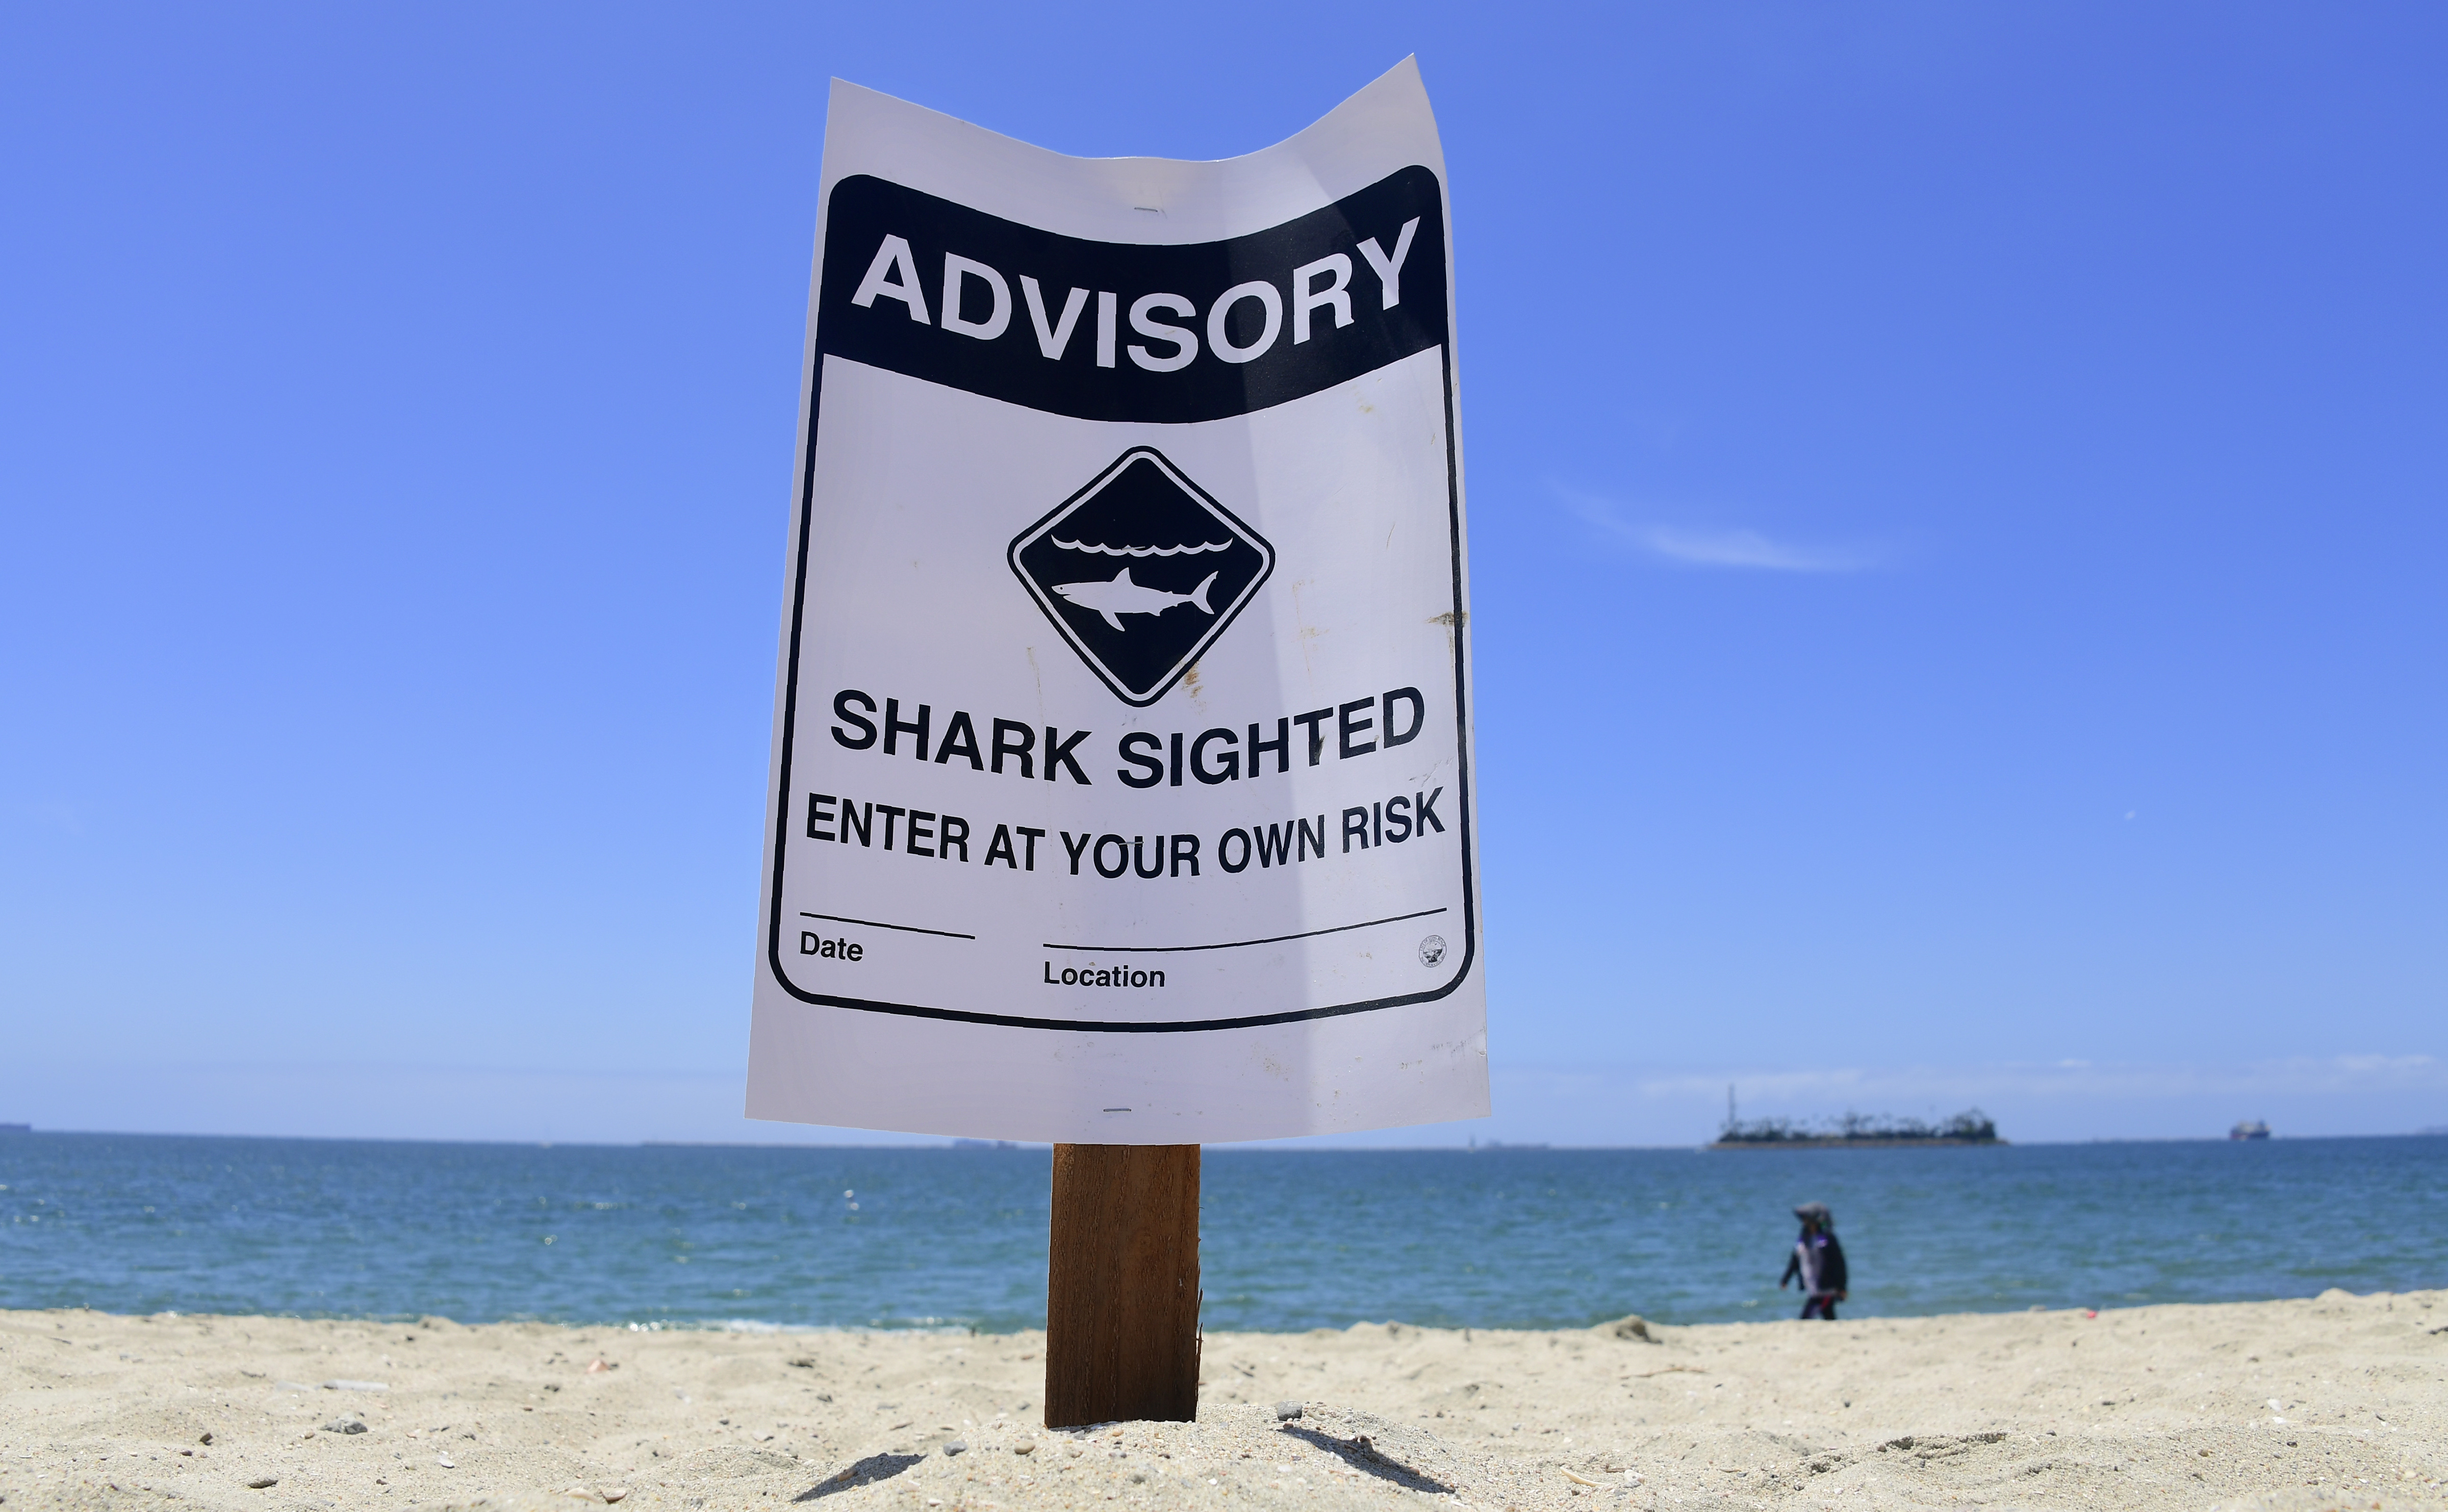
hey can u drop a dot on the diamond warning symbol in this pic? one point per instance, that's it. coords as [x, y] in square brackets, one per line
[1141, 571]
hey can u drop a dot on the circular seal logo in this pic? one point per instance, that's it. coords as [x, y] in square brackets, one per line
[1432, 949]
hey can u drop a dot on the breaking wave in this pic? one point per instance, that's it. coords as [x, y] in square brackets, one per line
[1142, 551]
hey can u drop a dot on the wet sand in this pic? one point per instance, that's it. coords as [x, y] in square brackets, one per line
[2333, 1401]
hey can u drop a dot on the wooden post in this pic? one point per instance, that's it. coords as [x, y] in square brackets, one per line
[1122, 1285]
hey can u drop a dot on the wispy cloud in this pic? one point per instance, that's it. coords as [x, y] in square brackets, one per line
[1701, 548]
[56, 815]
[1745, 549]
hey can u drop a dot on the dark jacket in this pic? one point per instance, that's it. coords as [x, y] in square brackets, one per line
[1829, 1257]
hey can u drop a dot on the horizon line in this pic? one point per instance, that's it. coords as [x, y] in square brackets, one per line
[947, 1143]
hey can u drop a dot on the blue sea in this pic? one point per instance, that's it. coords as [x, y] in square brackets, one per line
[955, 1238]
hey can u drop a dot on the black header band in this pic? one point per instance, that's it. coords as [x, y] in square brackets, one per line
[1127, 331]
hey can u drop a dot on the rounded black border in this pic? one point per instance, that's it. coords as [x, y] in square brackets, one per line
[1461, 753]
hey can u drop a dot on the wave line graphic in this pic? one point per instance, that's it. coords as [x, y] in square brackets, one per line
[1142, 551]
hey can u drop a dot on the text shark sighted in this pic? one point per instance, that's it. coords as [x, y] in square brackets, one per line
[1218, 755]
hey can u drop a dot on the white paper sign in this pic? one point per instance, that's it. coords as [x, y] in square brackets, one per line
[1121, 771]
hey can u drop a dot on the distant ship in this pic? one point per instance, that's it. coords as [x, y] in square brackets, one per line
[1854, 1131]
[2249, 1129]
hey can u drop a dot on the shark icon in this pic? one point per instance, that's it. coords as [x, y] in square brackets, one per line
[1120, 596]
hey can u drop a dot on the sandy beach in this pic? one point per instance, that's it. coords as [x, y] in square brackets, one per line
[2338, 1401]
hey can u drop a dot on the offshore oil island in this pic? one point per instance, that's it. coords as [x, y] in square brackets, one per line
[1853, 1131]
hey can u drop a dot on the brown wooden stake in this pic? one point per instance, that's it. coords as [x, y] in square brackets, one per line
[1122, 1285]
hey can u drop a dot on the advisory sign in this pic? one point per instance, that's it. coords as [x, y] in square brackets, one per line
[1122, 769]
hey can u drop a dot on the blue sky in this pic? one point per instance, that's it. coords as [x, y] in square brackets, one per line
[1957, 520]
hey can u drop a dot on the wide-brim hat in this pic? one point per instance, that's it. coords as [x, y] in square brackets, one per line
[1816, 1212]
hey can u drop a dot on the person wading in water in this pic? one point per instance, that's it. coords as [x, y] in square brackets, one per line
[1818, 1260]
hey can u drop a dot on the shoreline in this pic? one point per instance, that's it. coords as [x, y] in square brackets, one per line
[2269, 1405]
[760, 1328]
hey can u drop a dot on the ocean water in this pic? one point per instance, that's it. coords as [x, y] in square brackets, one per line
[710, 1236]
